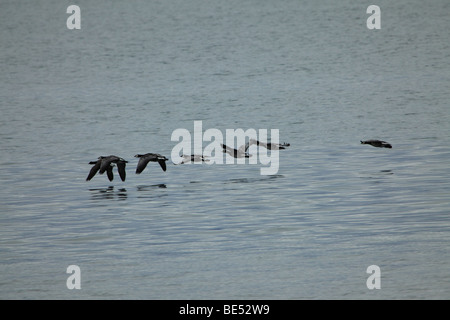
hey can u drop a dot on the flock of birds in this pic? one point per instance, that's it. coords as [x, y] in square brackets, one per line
[106, 163]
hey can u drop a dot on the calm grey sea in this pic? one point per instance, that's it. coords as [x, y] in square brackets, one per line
[138, 70]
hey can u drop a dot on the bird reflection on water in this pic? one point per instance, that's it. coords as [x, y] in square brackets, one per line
[149, 187]
[108, 193]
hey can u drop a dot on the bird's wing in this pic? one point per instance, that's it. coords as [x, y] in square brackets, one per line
[162, 163]
[94, 169]
[227, 149]
[142, 164]
[109, 172]
[121, 168]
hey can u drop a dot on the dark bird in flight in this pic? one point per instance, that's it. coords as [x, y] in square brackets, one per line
[237, 153]
[193, 158]
[144, 159]
[272, 146]
[106, 163]
[377, 143]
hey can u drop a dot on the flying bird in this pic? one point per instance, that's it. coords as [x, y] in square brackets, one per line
[237, 153]
[144, 159]
[273, 146]
[193, 158]
[377, 143]
[105, 164]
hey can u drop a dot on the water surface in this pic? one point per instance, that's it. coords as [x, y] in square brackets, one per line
[136, 71]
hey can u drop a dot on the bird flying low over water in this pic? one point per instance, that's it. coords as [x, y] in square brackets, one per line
[144, 159]
[193, 158]
[377, 143]
[242, 151]
[272, 146]
[237, 153]
[106, 163]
